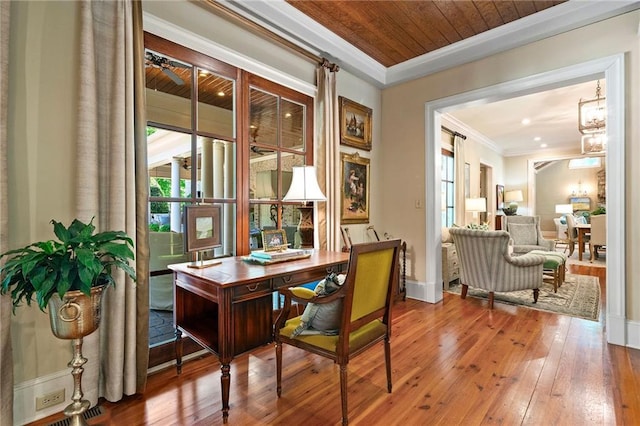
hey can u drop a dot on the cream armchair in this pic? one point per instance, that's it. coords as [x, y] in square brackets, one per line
[598, 239]
[526, 234]
[485, 263]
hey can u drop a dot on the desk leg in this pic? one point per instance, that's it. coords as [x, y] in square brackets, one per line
[178, 347]
[225, 383]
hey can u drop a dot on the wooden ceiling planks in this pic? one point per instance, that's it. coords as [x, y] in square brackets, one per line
[392, 32]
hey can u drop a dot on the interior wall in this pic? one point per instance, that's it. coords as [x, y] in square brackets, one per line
[404, 119]
[41, 157]
[556, 183]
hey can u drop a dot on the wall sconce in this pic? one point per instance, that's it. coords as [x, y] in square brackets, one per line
[475, 205]
[512, 198]
[304, 187]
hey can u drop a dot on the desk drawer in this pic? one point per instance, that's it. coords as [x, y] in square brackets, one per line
[251, 291]
[306, 276]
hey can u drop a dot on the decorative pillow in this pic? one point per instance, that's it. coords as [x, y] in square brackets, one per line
[523, 234]
[478, 226]
[322, 318]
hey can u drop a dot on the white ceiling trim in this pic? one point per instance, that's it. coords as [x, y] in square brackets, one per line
[473, 134]
[288, 22]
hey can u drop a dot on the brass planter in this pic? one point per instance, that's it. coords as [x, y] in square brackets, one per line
[76, 315]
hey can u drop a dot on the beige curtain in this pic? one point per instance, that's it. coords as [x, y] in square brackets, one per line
[107, 150]
[6, 358]
[458, 183]
[328, 157]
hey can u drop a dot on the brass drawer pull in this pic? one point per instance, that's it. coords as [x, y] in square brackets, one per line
[286, 279]
[254, 287]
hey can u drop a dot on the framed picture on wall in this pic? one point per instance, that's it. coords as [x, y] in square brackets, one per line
[499, 197]
[354, 199]
[355, 124]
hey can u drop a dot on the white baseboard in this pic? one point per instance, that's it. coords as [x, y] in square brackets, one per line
[426, 292]
[633, 334]
[25, 393]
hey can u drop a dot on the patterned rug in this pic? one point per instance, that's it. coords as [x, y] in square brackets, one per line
[578, 296]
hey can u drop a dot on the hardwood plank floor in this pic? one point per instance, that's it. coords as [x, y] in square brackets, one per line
[454, 362]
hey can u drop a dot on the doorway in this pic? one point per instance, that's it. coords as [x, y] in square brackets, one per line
[613, 69]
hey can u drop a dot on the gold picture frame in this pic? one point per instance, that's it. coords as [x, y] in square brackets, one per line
[274, 240]
[354, 199]
[355, 124]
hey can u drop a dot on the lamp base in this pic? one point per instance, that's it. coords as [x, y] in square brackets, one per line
[305, 227]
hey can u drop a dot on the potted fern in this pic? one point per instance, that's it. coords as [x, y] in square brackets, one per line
[76, 267]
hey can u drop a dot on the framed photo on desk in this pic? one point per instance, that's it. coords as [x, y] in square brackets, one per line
[203, 226]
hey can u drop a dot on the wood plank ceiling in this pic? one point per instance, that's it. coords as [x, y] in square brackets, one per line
[392, 32]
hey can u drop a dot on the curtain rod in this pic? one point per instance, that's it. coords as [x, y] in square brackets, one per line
[453, 132]
[247, 24]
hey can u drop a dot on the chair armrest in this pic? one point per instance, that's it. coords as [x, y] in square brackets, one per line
[526, 260]
[550, 245]
[302, 295]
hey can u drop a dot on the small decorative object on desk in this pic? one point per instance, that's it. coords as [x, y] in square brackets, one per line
[274, 240]
[280, 254]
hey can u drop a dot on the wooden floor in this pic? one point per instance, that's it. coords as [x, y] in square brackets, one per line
[453, 362]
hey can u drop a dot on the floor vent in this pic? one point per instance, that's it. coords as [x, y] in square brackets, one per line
[89, 414]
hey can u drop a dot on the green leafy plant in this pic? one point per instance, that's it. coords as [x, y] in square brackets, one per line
[81, 259]
[599, 210]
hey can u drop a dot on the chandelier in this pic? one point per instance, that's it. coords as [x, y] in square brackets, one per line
[592, 116]
[594, 143]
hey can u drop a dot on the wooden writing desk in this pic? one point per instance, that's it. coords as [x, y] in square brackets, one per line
[228, 308]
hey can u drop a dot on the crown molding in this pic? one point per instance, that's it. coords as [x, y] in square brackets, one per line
[472, 134]
[288, 22]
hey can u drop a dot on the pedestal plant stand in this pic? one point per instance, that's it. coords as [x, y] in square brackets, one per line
[73, 317]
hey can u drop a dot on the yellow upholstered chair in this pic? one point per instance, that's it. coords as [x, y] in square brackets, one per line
[365, 317]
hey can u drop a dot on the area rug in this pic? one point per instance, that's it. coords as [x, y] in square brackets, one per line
[578, 296]
[600, 262]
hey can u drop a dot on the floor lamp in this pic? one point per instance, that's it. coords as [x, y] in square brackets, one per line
[304, 188]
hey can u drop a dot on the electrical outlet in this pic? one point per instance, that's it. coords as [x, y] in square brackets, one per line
[50, 399]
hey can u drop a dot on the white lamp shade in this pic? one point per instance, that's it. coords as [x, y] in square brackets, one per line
[475, 204]
[304, 186]
[564, 208]
[513, 196]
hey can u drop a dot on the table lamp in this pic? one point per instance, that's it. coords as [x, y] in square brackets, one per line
[513, 198]
[564, 208]
[475, 205]
[304, 187]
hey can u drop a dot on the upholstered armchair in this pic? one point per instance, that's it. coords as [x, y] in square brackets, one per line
[598, 237]
[526, 234]
[485, 263]
[364, 320]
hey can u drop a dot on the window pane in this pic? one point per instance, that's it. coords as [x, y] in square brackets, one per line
[168, 90]
[169, 159]
[216, 173]
[290, 220]
[450, 168]
[216, 104]
[263, 121]
[293, 119]
[288, 162]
